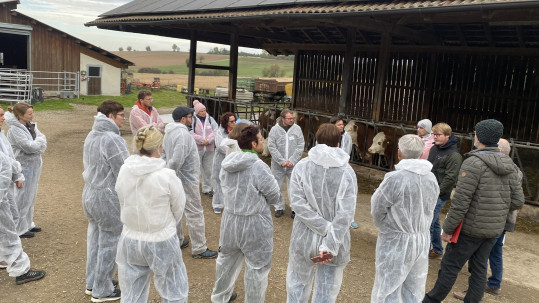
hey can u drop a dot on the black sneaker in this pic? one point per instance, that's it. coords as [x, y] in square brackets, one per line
[184, 244]
[35, 229]
[208, 254]
[88, 291]
[27, 234]
[279, 213]
[31, 275]
[116, 295]
[293, 215]
[233, 296]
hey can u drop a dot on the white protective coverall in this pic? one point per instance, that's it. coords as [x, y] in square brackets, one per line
[139, 118]
[284, 146]
[246, 226]
[220, 153]
[104, 153]
[181, 155]
[5, 147]
[402, 208]
[205, 131]
[152, 202]
[346, 143]
[11, 251]
[323, 193]
[28, 152]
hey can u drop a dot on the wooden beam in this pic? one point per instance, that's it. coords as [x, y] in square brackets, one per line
[233, 73]
[347, 70]
[520, 35]
[381, 73]
[210, 66]
[488, 34]
[192, 62]
[462, 39]
[324, 35]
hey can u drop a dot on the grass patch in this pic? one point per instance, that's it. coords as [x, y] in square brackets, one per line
[247, 67]
[162, 98]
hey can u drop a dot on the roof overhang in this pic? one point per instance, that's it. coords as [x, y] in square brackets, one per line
[283, 29]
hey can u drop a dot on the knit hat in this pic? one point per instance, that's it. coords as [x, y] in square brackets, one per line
[489, 131]
[198, 106]
[180, 112]
[426, 125]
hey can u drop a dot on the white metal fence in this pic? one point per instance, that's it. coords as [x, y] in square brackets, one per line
[15, 85]
[19, 85]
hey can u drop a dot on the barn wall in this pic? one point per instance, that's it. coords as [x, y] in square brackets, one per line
[459, 89]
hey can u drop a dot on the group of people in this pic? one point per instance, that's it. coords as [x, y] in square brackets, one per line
[20, 169]
[407, 205]
[136, 204]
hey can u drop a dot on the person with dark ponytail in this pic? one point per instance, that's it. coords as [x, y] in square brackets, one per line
[227, 123]
[246, 226]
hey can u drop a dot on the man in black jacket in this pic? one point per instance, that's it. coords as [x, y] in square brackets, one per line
[446, 161]
[488, 188]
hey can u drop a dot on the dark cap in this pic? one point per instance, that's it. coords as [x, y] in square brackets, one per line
[180, 112]
[489, 131]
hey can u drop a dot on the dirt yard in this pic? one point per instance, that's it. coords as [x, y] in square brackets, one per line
[60, 248]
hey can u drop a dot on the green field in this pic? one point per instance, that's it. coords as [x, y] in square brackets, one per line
[162, 98]
[247, 66]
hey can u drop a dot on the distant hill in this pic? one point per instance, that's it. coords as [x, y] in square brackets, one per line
[174, 62]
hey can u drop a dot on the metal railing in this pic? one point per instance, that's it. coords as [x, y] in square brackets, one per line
[15, 85]
[57, 83]
[366, 129]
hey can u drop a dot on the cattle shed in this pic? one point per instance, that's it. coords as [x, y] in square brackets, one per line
[57, 61]
[380, 63]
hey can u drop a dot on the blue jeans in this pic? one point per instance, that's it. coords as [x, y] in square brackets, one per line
[496, 263]
[436, 229]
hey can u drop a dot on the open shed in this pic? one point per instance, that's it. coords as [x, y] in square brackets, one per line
[378, 62]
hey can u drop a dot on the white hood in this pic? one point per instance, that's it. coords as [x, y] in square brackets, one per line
[141, 165]
[230, 146]
[418, 166]
[326, 156]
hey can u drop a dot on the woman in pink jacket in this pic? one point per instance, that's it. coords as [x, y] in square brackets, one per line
[204, 129]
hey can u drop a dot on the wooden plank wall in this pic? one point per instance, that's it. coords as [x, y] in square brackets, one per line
[459, 89]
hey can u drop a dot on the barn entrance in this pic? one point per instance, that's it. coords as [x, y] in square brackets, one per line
[15, 45]
[94, 80]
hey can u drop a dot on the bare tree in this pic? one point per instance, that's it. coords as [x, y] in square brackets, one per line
[148, 49]
[129, 48]
[175, 48]
[121, 49]
[201, 58]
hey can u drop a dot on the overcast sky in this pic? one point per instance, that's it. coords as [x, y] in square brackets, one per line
[70, 15]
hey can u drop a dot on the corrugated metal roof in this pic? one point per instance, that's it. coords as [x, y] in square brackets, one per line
[137, 12]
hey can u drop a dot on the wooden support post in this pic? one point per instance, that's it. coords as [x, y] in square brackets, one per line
[381, 73]
[295, 79]
[347, 71]
[425, 111]
[192, 63]
[233, 71]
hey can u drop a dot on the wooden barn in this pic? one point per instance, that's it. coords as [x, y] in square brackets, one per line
[384, 64]
[59, 62]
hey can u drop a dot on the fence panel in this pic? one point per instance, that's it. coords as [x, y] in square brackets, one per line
[15, 85]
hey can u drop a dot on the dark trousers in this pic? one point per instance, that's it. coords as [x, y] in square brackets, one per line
[473, 250]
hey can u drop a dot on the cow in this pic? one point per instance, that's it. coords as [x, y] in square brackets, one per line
[309, 124]
[268, 119]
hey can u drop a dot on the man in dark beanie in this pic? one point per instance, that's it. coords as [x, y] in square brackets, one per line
[488, 187]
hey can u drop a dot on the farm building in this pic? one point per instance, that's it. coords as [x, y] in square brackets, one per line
[58, 63]
[384, 64]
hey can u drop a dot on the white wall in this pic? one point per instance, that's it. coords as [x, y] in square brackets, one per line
[110, 76]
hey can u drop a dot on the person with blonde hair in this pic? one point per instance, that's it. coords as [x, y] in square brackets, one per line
[28, 144]
[152, 201]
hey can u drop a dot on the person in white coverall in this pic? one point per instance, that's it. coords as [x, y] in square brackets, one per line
[18, 177]
[15, 259]
[285, 144]
[323, 193]
[181, 155]
[104, 153]
[204, 129]
[246, 226]
[402, 208]
[152, 201]
[227, 123]
[28, 144]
